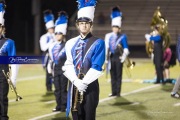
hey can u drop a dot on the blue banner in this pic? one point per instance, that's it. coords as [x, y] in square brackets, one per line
[21, 59]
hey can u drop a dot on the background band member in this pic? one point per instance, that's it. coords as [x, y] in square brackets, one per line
[158, 52]
[45, 41]
[174, 92]
[116, 58]
[166, 58]
[85, 55]
[58, 57]
[7, 48]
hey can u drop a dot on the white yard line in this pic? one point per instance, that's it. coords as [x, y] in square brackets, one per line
[43, 116]
[102, 100]
[49, 102]
[12, 100]
[176, 104]
[132, 92]
[31, 78]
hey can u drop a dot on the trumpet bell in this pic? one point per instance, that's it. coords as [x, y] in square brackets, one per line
[131, 65]
[18, 98]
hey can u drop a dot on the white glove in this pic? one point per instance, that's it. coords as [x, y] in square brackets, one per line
[13, 80]
[147, 36]
[91, 76]
[49, 68]
[122, 58]
[80, 86]
[14, 73]
[152, 56]
[124, 55]
[69, 72]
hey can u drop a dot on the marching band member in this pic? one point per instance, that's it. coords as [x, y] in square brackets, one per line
[45, 41]
[58, 57]
[85, 55]
[7, 48]
[157, 39]
[113, 53]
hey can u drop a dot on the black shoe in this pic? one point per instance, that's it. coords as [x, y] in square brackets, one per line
[56, 110]
[176, 95]
[49, 90]
[157, 83]
[118, 95]
[63, 110]
[112, 95]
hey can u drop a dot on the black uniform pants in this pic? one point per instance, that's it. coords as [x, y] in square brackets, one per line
[158, 61]
[60, 84]
[48, 81]
[116, 76]
[87, 109]
[4, 89]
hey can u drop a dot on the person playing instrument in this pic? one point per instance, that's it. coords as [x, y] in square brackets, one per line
[45, 41]
[113, 40]
[85, 55]
[7, 48]
[156, 37]
[58, 57]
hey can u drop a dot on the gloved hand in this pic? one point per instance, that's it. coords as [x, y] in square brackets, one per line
[152, 56]
[80, 86]
[122, 58]
[49, 68]
[147, 36]
[106, 61]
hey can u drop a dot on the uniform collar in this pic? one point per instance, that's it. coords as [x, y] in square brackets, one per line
[87, 36]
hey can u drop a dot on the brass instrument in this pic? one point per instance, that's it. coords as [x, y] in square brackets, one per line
[149, 48]
[78, 96]
[128, 62]
[13, 89]
[158, 21]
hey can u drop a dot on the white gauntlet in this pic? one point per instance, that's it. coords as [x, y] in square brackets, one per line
[147, 36]
[124, 55]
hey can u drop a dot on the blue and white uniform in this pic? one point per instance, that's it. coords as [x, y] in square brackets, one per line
[158, 54]
[93, 57]
[45, 41]
[58, 57]
[116, 57]
[112, 40]
[7, 48]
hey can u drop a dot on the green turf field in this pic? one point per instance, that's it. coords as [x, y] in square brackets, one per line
[139, 101]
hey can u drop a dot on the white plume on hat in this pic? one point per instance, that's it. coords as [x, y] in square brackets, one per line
[48, 19]
[61, 23]
[86, 9]
[116, 17]
[2, 11]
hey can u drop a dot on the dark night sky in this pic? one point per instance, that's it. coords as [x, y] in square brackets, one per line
[19, 20]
